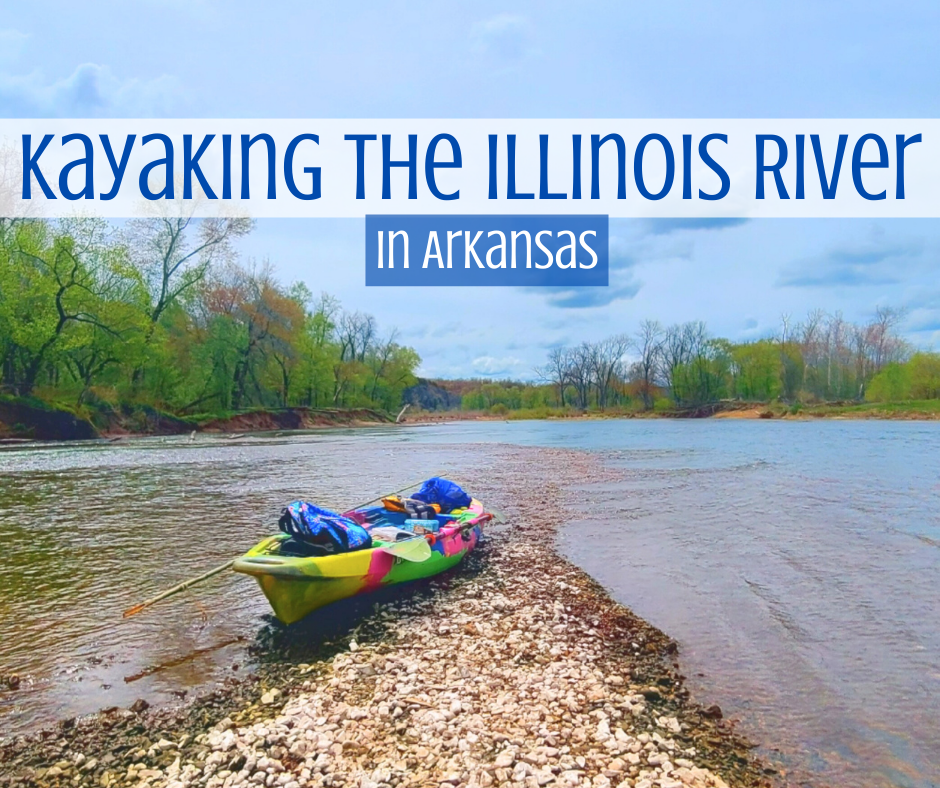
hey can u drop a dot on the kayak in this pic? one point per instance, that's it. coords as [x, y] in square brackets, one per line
[296, 584]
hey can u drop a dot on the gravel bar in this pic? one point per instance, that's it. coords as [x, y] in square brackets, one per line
[516, 670]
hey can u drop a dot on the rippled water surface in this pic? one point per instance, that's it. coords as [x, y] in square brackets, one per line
[89, 530]
[797, 564]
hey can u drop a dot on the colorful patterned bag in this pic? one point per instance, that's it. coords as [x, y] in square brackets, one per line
[313, 525]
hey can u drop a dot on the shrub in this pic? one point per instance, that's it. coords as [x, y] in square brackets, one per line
[891, 384]
[925, 375]
[663, 405]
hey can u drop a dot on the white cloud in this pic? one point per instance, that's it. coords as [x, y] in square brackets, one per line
[492, 367]
[91, 90]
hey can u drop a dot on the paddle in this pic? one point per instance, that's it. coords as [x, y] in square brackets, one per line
[416, 549]
[405, 553]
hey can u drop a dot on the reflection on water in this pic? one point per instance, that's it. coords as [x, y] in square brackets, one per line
[798, 565]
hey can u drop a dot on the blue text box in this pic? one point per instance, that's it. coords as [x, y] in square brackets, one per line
[525, 250]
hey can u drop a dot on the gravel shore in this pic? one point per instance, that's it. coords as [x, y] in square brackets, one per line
[516, 671]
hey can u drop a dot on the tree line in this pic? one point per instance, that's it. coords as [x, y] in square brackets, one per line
[162, 312]
[822, 358]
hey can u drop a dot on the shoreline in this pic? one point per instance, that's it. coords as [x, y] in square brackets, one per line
[724, 410]
[65, 426]
[515, 669]
[23, 422]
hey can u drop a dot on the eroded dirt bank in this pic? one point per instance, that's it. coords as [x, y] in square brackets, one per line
[517, 670]
[20, 420]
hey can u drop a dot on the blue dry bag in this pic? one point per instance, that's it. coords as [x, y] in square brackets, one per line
[444, 493]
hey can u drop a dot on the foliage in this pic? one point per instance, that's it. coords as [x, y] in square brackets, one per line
[756, 370]
[823, 358]
[682, 367]
[662, 405]
[165, 315]
[891, 384]
[925, 375]
[484, 395]
[917, 379]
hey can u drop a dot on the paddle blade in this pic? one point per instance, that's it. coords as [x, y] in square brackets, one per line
[416, 549]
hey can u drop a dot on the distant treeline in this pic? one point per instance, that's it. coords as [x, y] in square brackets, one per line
[821, 359]
[161, 312]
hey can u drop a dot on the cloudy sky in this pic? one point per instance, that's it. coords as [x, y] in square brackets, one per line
[208, 58]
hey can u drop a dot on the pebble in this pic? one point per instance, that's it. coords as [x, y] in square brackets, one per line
[503, 679]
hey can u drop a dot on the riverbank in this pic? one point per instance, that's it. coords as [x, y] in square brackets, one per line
[22, 420]
[31, 419]
[921, 410]
[517, 669]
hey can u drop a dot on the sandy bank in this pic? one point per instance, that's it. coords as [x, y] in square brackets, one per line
[516, 670]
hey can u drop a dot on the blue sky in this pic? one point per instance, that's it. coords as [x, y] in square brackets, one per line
[206, 58]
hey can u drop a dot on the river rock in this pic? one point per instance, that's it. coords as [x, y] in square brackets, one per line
[516, 673]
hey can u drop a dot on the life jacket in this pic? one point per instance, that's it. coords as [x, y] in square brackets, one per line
[416, 510]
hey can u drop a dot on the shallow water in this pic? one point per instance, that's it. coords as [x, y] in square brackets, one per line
[88, 530]
[797, 564]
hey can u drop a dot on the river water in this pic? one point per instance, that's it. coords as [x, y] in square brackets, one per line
[797, 564]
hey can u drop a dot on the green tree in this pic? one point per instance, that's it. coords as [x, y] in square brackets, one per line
[892, 384]
[925, 375]
[756, 370]
[56, 286]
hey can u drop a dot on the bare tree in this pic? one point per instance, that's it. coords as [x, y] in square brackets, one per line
[356, 332]
[580, 368]
[380, 358]
[556, 371]
[785, 328]
[885, 344]
[175, 252]
[607, 364]
[681, 343]
[811, 343]
[835, 352]
[649, 345]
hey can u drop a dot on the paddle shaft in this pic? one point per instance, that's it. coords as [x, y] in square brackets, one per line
[133, 611]
[385, 495]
